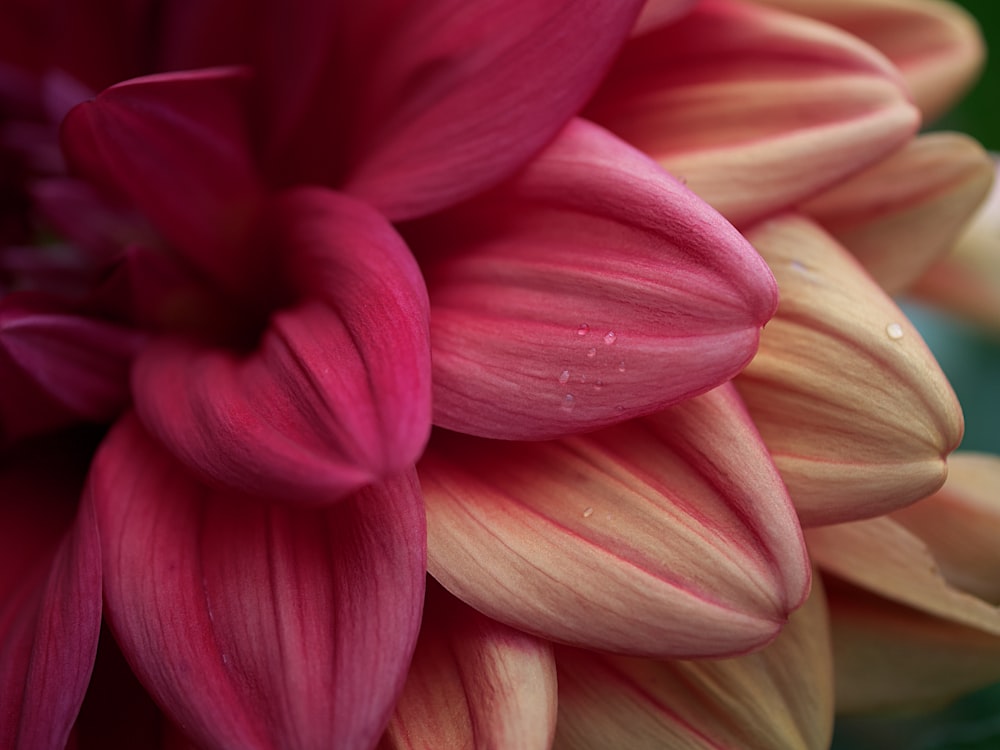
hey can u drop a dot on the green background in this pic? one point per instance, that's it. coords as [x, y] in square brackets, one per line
[971, 359]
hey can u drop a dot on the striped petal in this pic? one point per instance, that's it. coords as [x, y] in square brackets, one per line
[755, 109]
[591, 289]
[670, 536]
[252, 624]
[849, 400]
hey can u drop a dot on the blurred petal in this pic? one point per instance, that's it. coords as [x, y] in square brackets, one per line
[753, 108]
[967, 282]
[177, 146]
[780, 697]
[904, 213]
[474, 683]
[590, 290]
[849, 400]
[50, 594]
[444, 98]
[669, 536]
[336, 395]
[936, 45]
[253, 624]
[918, 620]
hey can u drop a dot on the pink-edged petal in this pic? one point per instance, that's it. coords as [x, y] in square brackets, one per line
[256, 625]
[432, 102]
[177, 147]
[336, 394]
[670, 536]
[50, 594]
[474, 683]
[592, 289]
[754, 108]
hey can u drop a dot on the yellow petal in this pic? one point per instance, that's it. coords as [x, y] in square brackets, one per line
[913, 596]
[474, 683]
[667, 536]
[906, 212]
[780, 697]
[849, 400]
[937, 45]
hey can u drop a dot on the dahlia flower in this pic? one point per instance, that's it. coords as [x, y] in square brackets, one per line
[361, 293]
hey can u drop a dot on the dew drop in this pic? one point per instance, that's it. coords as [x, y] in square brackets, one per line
[583, 378]
[619, 408]
[621, 366]
[610, 337]
[894, 331]
[564, 377]
[588, 512]
[598, 385]
[592, 353]
[582, 330]
[568, 402]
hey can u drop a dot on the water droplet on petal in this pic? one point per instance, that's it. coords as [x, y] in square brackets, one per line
[582, 330]
[598, 385]
[564, 377]
[568, 402]
[583, 378]
[619, 408]
[621, 366]
[592, 353]
[588, 512]
[894, 331]
[610, 337]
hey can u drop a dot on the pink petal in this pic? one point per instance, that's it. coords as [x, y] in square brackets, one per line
[177, 146]
[433, 101]
[50, 595]
[669, 537]
[255, 625]
[754, 108]
[337, 393]
[592, 289]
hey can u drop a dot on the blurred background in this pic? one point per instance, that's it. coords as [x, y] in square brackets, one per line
[970, 357]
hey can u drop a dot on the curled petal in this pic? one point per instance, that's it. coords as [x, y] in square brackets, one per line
[755, 109]
[590, 290]
[256, 625]
[336, 394]
[80, 364]
[849, 400]
[914, 602]
[474, 682]
[904, 213]
[936, 45]
[177, 147]
[446, 98]
[670, 536]
[779, 697]
[50, 595]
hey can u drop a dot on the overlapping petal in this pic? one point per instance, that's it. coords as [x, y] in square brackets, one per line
[591, 289]
[177, 147]
[904, 213]
[254, 624]
[669, 536]
[755, 109]
[935, 45]
[50, 594]
[851, 403]
[474, 683]
[336, 394]
[447, 98]
[780, 697]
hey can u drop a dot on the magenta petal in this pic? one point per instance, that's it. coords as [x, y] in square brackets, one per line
[337, 393]
[177, 146]
[592, 289]
[256, 625]
[50, 597]
[445, 98]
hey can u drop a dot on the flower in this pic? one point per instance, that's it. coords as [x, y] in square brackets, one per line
[347, 224]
